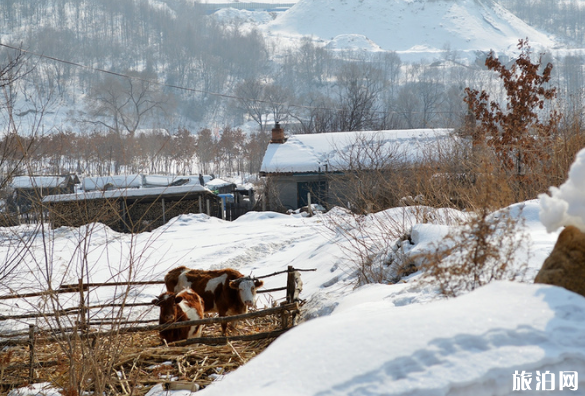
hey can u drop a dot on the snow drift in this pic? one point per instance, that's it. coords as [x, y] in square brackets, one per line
[566, 204]
[471, 345]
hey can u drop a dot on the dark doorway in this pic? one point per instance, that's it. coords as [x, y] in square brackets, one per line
[318, 190]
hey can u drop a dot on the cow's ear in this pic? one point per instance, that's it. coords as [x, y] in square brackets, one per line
[258, 283]
[178, 299]
[156, 301]
[234, 284]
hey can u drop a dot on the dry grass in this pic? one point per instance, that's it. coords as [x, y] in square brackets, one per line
[145, 360]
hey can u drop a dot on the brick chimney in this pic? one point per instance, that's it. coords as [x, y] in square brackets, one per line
[277, 134]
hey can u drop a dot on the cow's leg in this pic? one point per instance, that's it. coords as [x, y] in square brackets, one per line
[224, 326]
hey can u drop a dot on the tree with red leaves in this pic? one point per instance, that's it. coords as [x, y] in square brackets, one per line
[516, 133]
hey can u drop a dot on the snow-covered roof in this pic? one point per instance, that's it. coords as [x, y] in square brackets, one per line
[331, 151]
[38, 181]
[127, 193]
[120, 181]
[217, 183]
[166, 180]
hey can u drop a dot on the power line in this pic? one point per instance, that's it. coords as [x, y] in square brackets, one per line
[225, 96]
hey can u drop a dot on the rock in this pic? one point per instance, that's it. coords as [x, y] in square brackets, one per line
[566, 264]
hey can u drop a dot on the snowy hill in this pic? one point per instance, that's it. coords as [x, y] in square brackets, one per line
[412, 27]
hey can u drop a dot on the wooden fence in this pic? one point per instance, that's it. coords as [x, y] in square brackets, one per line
[287, 310]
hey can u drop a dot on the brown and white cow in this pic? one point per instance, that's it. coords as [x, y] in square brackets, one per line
[226, 291]
[179, 307]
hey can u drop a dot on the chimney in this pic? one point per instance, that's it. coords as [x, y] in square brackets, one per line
[277, 134]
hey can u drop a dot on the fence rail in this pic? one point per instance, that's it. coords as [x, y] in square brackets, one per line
[288, 312]
[293, 288]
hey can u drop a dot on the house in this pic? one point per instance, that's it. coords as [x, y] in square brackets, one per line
[26, 191]
[321, 164]
[131, 209]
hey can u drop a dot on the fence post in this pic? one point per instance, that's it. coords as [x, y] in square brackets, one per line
[31, 336]
[290, 284]
[200, 205]
[208, 209]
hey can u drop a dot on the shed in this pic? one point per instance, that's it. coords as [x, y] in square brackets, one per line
[300, 164]
[25, 191]
[131, 210]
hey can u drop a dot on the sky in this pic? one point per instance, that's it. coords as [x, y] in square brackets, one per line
[394, 339]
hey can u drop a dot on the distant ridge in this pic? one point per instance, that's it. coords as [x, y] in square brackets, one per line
[412, 26]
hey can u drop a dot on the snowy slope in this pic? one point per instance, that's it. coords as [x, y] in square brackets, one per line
[412, 27]
[471, 345]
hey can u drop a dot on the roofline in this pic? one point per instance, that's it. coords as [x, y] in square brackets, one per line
[131, 195]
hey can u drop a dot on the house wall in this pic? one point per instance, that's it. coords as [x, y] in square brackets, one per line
[340, 190]
[283, 191]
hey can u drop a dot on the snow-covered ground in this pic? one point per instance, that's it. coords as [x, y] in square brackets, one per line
[401, 339]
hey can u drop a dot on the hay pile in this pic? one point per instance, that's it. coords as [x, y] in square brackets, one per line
[137, 361]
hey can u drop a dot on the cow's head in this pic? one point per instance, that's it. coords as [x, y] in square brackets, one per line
[168, 307]
[247, 289]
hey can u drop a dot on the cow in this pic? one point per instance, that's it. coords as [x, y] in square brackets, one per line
[179, 307]
[225, 291]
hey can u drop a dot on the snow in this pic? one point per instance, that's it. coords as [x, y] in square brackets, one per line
[127, 192]
[234, 16]
[329, 151]
[415, 29]
[37, 181]
[353, 42]
[117, 181]
[40, 389]
[400, 339]
[469, 345]
[566, 204]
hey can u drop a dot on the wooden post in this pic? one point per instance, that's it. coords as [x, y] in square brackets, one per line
[200, 205]
[309, 206]
[290, 284]
[82, 324]
[31, 337]
[163, 210]
[208, 208]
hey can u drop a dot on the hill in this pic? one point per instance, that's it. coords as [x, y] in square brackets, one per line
[412, 27]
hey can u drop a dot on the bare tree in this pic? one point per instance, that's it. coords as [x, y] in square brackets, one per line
[124, 104]
[251, 99]
[359, 86]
